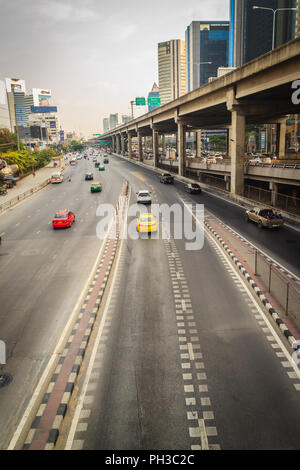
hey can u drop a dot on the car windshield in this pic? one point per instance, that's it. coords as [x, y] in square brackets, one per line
[146, 219]
[196, 186]
[60, 216]
[143, 194]
[56, 175]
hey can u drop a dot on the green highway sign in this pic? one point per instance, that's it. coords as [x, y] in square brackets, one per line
[96, 134]
[154, 101]
[140, 102]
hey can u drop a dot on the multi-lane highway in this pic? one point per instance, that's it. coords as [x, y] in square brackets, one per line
[186, 358]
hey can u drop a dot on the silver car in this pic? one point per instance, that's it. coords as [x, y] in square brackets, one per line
[144, 197]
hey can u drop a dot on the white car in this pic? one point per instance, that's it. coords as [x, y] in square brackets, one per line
[143, 197]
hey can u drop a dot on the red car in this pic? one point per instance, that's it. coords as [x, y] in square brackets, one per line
[63, 219]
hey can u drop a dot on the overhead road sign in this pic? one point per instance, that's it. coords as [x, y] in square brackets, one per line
[154, 101]
[140, 101]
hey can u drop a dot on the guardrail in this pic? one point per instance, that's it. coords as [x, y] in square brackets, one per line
[22, 196]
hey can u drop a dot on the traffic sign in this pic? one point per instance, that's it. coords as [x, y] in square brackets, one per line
[154, 101]
[140, 102]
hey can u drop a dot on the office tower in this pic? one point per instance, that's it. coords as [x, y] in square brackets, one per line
[105, 124]
[251, 30]
[15, 89]
[171, 70]
[125, 118]
[113, 121]
[4, 114]
[154, 93]
[207, 44]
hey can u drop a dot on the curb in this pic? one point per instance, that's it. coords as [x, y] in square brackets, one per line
[279, 322]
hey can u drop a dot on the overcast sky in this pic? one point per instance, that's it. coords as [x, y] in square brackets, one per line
[95, 56]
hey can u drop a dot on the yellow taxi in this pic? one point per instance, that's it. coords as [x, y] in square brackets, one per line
[146, 223]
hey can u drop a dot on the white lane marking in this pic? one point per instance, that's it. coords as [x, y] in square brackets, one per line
[54, 357]
[93, 357]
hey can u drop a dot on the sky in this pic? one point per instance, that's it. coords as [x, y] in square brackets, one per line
[96, 56]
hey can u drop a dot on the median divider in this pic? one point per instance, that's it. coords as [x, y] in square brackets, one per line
[46, 425]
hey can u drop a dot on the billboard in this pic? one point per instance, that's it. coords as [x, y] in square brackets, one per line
[15, 84]
[43, 109]
[53, 124]
[41, 97]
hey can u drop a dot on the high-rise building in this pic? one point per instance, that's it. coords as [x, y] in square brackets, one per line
[28, 101]
[15, 89]
[4, 114]
[251, 30]
[206, 50]
[154, 93]
[113, 121]
[105, 124]
[125, 118]
[171, 70]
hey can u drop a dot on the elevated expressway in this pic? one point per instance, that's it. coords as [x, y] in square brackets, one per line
[259, 92]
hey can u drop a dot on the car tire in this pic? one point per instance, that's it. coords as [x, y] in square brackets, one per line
[247, 218]
[260, 225]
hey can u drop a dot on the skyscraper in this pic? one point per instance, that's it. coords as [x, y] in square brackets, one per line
[113, 121]
[206, 49]
[154, 93]
[15, 89]
[171, 70]
[251, 30]
[105, 124]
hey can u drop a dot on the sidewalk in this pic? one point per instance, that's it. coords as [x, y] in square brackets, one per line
[29, 185]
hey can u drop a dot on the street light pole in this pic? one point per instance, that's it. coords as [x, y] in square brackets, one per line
[274, 18]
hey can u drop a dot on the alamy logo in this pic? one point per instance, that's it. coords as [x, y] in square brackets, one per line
[2, 352]
[296, 94]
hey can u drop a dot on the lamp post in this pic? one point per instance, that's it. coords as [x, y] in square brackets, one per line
[198, 69]
[274, 17]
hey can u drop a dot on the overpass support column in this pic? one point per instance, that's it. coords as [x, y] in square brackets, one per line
[181, 147]
[118, 144]
[238, 124]
[122, 145]
[129, 145]
[274, 188]
[114, 144]
[163, 144]
[227, 183]
[155, 147]
[282, 138]
[140, 146]
[198, 144]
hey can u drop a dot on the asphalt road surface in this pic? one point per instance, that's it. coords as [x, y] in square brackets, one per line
[188, 359]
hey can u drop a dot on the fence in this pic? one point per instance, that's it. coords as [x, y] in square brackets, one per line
[286, 291]
[283, 201]
[22, 196]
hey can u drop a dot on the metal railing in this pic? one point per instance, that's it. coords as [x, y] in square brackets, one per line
[286, 291]
[20, 197]
[283, 201]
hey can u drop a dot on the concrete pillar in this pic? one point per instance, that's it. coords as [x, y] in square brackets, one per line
[118, 144]
[238, 124]
[140, 146]
[155, 147]
[198, 144]
[282, 139]
[122, 145]
[274, 188]
[129, 145]
[181, 147]
[229, 137]
[227, 182]
[163, 144]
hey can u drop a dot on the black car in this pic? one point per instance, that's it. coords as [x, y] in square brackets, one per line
[97, 165]
[105, 160]
[89, 176]
[166, 178]
[193, 188]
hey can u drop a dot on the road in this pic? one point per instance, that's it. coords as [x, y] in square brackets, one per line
[187, 359]
[42, 273]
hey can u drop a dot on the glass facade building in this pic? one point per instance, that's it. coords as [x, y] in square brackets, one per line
[207, 49]
[251, 30]
[154, 93]
[171, 70]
